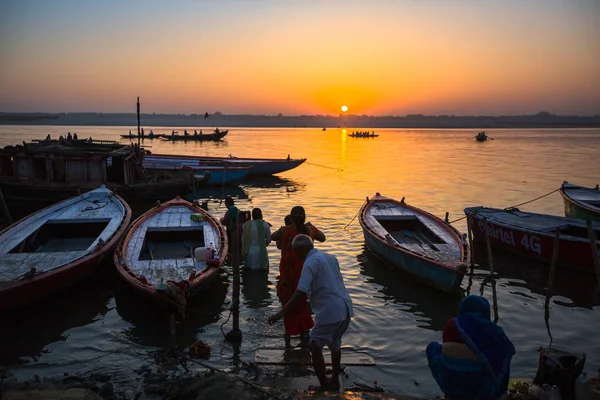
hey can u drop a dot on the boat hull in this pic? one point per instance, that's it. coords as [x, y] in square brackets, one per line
[577, 202]
[16, 294]
[260, 166]
[575, 210]
[202, 281]
[572, 252]
[442, 269]
[428, 273]
[219, 176]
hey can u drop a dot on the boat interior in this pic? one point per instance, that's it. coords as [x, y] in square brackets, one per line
[62, 236]
[164, 245]
[408, 229]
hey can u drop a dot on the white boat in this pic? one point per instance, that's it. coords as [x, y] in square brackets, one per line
[59, 246]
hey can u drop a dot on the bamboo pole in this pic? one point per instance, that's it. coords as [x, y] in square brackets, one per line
[491, 266]
[235, 335]
[595, 253]
[549, 284]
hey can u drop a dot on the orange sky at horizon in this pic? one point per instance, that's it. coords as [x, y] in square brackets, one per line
[392, 58]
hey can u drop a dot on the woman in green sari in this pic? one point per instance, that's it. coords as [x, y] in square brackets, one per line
[256, 238]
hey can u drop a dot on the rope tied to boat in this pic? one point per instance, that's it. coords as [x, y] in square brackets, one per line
[511, 208]
[355, 215]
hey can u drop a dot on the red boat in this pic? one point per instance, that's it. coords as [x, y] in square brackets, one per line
[532, 235]
[59, 246]
[175, 248]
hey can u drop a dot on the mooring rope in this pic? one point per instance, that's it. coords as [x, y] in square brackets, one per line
[355, 215]
[515, 206]
[323, 166]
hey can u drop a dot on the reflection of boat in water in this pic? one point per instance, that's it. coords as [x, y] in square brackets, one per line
[150, 325]
[437, 307]
[574, 285]
[415, 242]
[26, 332]
[273, 182]
[581, 202]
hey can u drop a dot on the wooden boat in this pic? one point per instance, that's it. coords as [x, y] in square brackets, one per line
[481, 137]
[532, 235]
[260, 166]
[415, 242]
[217, 135]
[48, 172]
[362, 136]
[59, 246]
[221, 174]
[160, 247]
[581, 202]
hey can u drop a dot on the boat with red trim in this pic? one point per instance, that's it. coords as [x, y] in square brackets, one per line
[415, 242]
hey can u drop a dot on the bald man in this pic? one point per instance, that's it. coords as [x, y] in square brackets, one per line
[322, 282]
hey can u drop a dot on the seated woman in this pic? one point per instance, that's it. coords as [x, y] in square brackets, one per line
[473, 362]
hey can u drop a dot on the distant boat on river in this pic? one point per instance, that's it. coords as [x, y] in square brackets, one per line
[415, 242]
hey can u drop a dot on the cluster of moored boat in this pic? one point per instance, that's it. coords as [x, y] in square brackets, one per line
[434, 252]
[176, 249]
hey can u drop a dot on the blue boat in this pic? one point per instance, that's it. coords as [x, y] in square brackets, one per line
[219, 175]
[415, 242]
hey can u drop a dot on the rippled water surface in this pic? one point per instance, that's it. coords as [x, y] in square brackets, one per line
[101, 326]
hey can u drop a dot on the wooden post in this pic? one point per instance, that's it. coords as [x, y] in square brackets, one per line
[235, 335]
[549, 284]
[491, 266]
[138, 119]
[595, 255]
[7, 215]
[471, 243]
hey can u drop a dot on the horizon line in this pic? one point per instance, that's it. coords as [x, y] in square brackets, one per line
[281, 115]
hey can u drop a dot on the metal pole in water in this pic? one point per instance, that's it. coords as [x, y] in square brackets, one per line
[549, 284]
[235, 335]
[491, 265]
[595, 253]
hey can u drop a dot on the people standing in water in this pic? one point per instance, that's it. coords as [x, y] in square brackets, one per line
[322, 280]
[255, 239]
[231, 219]
[473, 361]
[297, 320]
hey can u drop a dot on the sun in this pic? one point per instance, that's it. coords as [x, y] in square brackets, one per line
[344, 108]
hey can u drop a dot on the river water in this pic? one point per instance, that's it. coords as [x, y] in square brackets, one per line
[101, 326]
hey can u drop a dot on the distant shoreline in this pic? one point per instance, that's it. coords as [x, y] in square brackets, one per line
[539, 120]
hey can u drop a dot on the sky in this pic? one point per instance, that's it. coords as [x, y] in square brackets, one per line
[377, 57]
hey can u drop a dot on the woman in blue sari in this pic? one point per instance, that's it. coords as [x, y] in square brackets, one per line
[473, 362]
